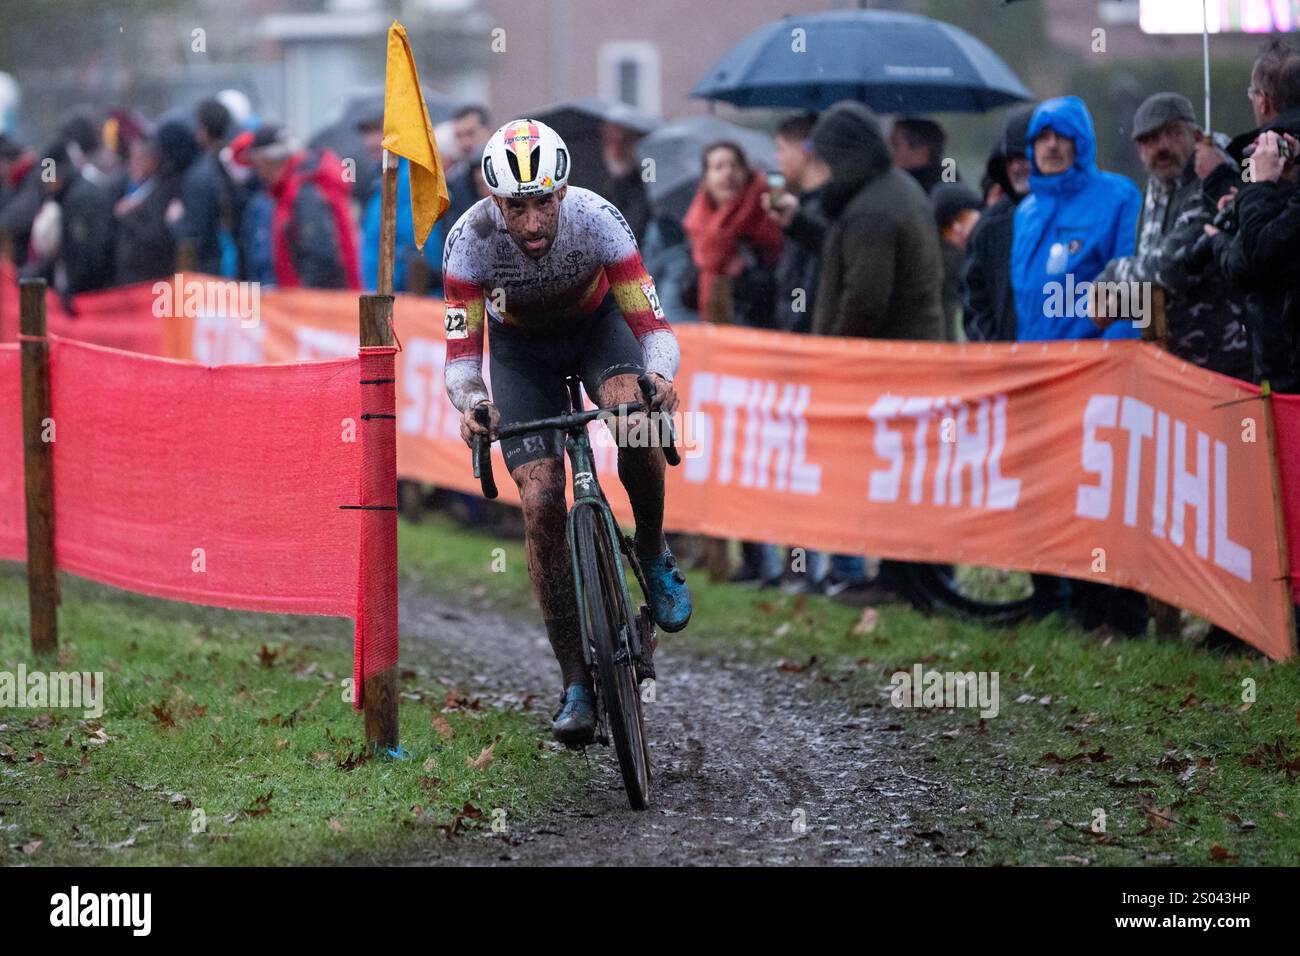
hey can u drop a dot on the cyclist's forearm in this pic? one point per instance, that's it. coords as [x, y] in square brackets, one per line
[661, 352]
[465, 385]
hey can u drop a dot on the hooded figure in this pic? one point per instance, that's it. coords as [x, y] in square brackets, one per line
[881, 269]
[1069, 227]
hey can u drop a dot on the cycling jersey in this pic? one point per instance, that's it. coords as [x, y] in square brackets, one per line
[486, 275]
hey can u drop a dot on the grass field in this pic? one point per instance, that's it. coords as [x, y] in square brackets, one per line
[1189, 757]
[225, 739]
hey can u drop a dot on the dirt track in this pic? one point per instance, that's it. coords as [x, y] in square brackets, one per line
[736, 751]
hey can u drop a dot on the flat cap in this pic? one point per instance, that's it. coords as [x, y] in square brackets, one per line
[1161, 108]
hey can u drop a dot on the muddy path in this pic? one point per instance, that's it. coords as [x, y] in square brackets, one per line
[739, 753]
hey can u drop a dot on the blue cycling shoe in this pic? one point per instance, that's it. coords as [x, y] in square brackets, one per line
[575, 721]
[670, 598]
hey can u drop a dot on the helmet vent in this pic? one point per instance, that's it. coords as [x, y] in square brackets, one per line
[533, 163]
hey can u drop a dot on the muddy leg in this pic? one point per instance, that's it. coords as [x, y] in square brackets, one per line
[541, 489]
[641, 470]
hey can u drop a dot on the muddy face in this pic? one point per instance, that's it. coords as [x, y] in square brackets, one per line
[533, 221]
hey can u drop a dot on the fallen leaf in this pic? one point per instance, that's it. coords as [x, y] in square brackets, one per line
[444, 729]
[352, 760]
[867, 622]
[484, 758]
[1159, 817]
[1220, 853]
[163, 714]
[260, 807]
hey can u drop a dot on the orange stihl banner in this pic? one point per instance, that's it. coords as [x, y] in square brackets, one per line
[1102, 461]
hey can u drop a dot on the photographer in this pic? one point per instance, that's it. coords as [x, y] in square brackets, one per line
[1186, 178]
[1254, 237]
[1260, 255]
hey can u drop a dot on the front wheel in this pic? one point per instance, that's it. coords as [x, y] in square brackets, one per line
[608, 626]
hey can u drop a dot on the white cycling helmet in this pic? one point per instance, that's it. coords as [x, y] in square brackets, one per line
[525, 158]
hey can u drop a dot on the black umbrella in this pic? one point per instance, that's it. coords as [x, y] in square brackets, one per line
[893, 62]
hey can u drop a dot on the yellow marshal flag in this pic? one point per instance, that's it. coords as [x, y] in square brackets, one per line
[408, 132]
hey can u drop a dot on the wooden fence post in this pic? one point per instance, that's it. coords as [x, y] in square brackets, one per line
[38, 471]
[379, 700]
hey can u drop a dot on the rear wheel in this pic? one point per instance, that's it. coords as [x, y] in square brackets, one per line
[609, 626]
[988, 595]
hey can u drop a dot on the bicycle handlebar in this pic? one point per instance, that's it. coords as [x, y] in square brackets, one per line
[483, 453]
[648, 393]
[482, 446]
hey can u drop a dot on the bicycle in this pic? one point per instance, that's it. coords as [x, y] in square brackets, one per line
[617, 648]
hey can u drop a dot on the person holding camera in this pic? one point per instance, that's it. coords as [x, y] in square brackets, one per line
[1254, 237]
[1206, 317]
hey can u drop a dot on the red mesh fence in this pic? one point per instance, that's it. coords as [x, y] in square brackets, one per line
[13, 521]
[217, 486]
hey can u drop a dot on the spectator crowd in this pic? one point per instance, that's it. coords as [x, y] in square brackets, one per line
[116, 199]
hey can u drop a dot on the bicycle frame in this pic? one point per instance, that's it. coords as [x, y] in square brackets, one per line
[588, 494]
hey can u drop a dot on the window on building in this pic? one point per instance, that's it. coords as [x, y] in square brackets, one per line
[628, 72]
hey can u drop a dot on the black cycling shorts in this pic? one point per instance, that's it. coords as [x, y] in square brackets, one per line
[528, 372]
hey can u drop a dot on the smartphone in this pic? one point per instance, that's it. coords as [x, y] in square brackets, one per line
[775, 186]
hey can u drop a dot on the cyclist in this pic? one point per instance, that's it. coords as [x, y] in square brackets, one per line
[553, 274]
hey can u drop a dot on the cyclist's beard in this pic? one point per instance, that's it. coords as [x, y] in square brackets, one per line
[545, 227]
[522, 240]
